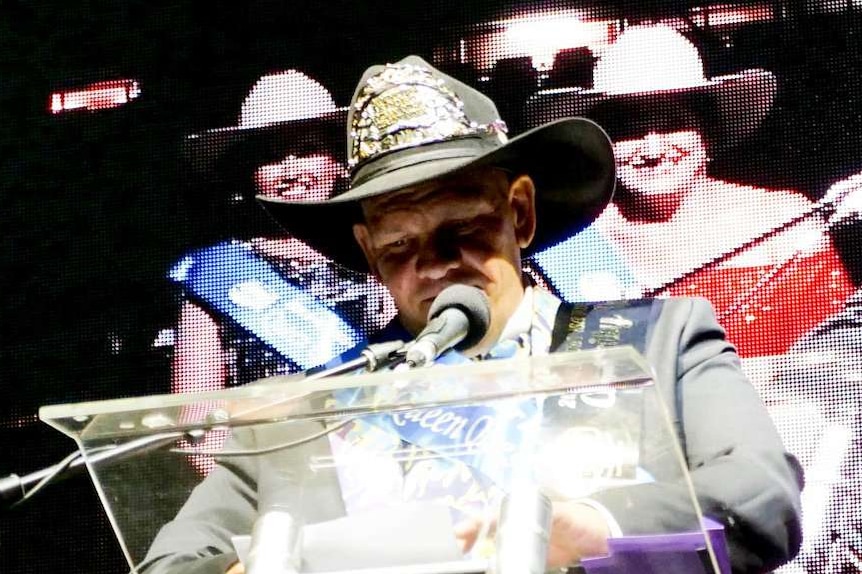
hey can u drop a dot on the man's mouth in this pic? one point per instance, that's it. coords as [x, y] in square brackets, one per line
[429, 298]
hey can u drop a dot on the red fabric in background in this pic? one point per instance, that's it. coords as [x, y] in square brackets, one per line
[766, 309]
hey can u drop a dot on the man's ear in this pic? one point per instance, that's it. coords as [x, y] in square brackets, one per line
[522, 199]
[363, 238]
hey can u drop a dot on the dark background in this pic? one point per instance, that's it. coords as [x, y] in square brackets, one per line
[95, 207]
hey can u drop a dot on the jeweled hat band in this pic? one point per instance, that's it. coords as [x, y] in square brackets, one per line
[465, 148]
[405, 106]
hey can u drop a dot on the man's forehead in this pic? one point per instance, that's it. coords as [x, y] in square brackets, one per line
[478, 184]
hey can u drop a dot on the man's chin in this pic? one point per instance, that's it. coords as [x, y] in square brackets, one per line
[413, 325]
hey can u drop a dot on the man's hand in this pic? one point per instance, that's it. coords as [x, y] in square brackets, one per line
[577, 531]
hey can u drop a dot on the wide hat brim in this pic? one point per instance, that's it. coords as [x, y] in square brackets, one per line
[570, 161]
[209, 151]
[732, 106]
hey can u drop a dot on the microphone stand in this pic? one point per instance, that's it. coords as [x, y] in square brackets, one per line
[14, 488]
[372, 358]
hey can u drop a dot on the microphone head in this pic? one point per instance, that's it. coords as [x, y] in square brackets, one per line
[473, 302]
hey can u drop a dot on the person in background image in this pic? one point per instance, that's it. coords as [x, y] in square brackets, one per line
[761, 256]
[257, 306]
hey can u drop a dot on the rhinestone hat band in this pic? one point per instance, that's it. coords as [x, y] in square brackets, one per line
[406, 106]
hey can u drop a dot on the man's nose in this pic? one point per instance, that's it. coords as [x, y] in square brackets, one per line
[436, 258]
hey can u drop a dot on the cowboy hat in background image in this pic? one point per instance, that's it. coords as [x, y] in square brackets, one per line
[282, 110]
[285, 118]
[675, 227]
[653, 77]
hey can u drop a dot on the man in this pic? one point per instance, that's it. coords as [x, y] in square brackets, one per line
[439, 196]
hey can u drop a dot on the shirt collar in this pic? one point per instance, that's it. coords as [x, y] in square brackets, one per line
[522, 319]
[531, 326]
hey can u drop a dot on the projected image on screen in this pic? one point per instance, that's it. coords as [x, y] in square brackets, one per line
[764, 256]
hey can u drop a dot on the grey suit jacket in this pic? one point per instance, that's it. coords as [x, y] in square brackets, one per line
[741, 473]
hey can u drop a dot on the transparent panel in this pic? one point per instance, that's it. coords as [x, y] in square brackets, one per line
[405, 456]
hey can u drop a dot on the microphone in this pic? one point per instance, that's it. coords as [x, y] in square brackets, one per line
[458, 317]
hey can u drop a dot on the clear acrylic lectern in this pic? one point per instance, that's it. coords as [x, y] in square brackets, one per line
[372, 472]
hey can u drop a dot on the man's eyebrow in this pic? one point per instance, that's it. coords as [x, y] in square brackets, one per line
[469, 218]
[389, 232]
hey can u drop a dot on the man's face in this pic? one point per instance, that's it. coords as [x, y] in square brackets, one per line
[469, 229]
[660, 164]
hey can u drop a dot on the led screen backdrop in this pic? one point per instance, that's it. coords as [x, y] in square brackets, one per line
[135, 260]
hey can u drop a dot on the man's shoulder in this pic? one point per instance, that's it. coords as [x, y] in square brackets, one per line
[630, 321]
[660, 304]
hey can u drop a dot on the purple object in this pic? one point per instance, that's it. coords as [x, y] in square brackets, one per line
[682, 553]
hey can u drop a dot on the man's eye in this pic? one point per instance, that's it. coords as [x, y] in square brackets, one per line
[468, 228]
[395, 245]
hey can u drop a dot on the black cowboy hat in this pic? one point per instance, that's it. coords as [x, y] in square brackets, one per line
[409, 123]
[653, 77]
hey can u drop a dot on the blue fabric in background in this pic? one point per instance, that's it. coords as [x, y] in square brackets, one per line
[232, 280]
